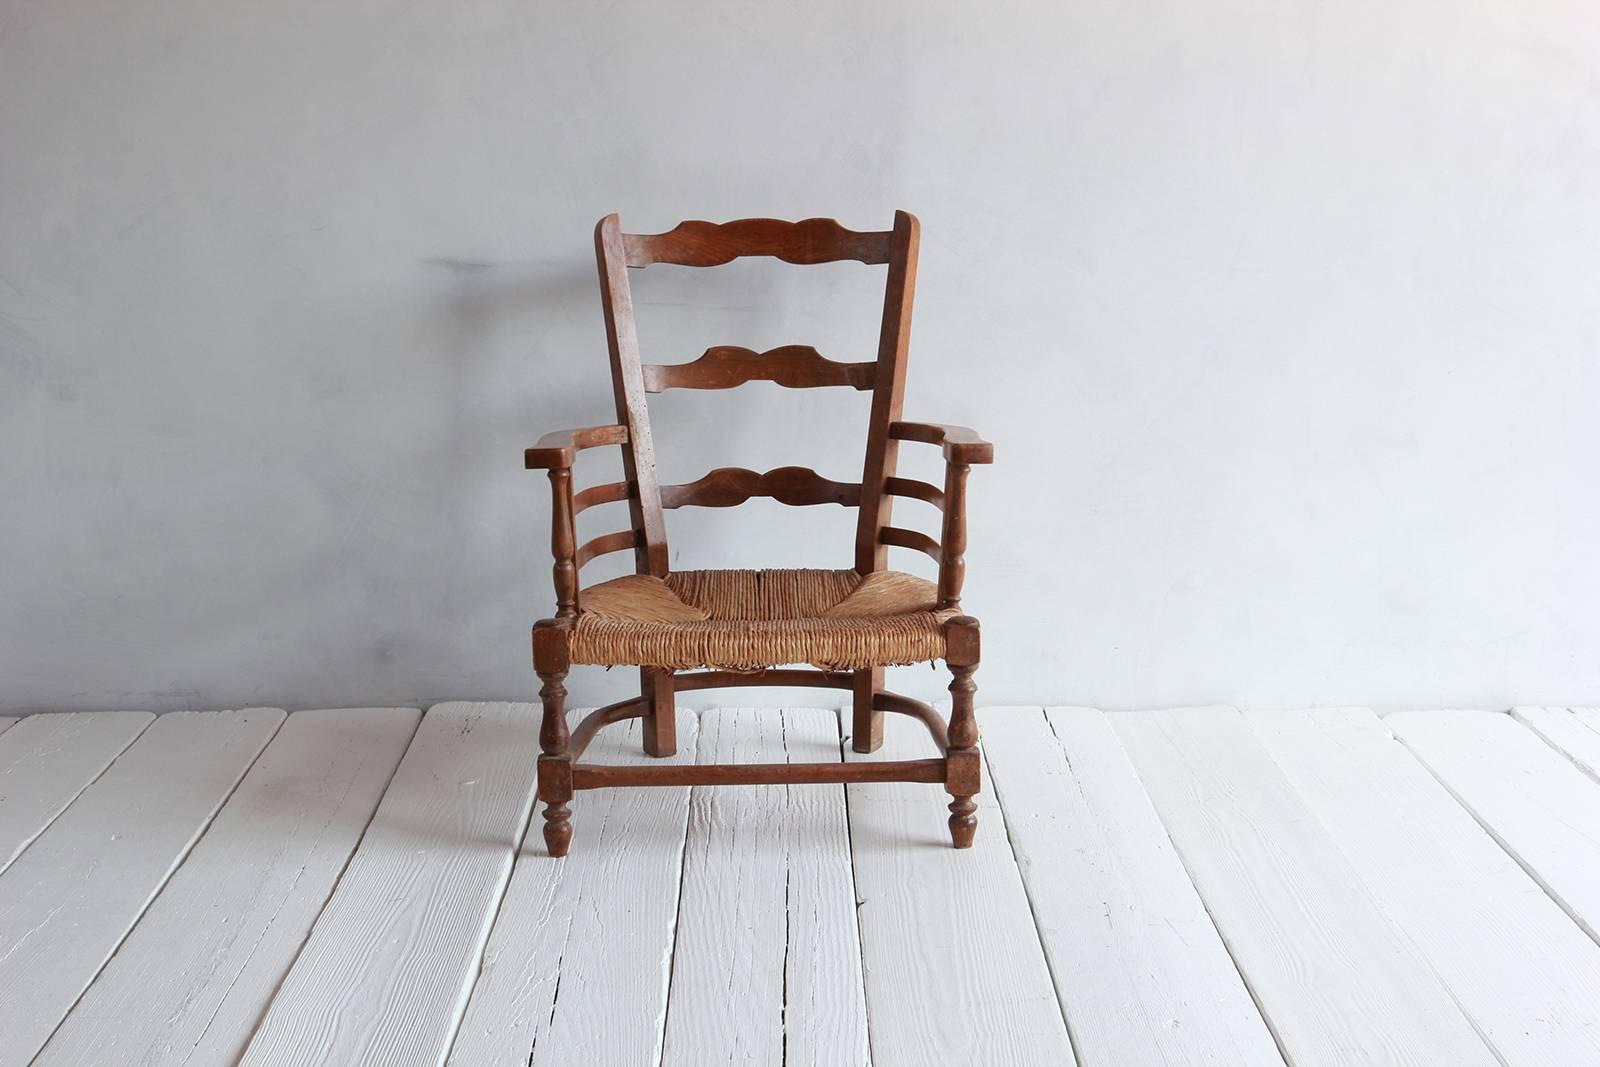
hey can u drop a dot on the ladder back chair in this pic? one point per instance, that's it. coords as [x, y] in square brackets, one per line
[707, 629]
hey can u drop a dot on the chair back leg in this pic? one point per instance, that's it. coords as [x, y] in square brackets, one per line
[866, 723]
[660, 726]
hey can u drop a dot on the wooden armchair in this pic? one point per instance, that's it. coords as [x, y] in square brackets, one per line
[690, 630]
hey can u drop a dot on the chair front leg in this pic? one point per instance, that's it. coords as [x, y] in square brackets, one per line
[551, 660]
[963, 765]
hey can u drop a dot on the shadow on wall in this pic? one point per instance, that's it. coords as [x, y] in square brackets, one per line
[390, 547]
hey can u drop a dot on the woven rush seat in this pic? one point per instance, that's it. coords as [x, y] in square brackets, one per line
[749, 620]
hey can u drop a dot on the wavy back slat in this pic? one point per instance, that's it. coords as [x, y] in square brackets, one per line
[728, 487]
[727, 366]
[710, 244]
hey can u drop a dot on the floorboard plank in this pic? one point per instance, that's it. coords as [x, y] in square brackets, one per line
[588, 937]
[768, 906]
[386, 971]
[1518, 966]
[1142, 974]
[953, 966]
[72, 896]
[1336, 981]
[1569, 731]
[46, 762]
[1540, 807]
[191, 982]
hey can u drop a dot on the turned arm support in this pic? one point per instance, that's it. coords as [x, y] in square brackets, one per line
[962, 448]
[555, 453]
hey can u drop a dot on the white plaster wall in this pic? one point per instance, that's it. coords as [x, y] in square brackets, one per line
[1282, 317]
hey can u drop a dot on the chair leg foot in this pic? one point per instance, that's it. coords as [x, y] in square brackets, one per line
[865, 741]
[558, 828]
[963, 821]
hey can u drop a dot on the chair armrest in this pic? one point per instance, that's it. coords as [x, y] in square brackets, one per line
[960, 444]
[962, 448]
[560, 447]
[554, 453]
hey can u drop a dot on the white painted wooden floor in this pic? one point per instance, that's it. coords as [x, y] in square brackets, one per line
[1198, 886]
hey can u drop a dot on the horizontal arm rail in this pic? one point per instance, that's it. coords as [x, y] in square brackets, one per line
[560, 447]
[894, 535]
[910, 487]
[961, 445]
[606, 544]
[601, 494]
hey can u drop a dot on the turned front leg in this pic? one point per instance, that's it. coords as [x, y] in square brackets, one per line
[963, 765]
[551, 661]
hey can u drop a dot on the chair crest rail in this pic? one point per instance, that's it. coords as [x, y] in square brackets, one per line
[708, 244]
[728, 366]
[727, 487]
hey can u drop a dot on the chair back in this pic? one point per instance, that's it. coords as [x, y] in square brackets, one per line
[706, 244]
